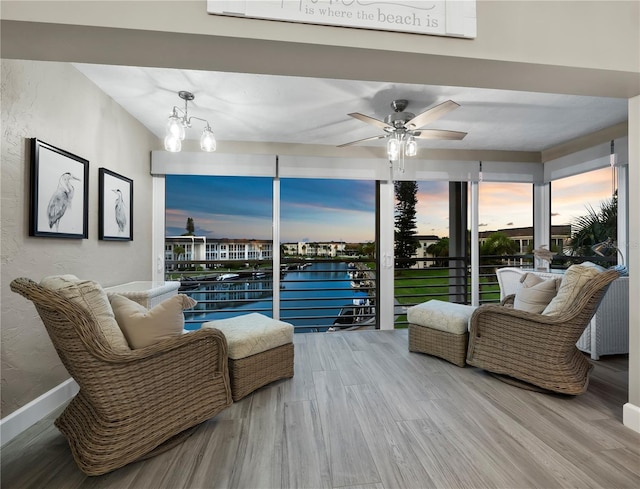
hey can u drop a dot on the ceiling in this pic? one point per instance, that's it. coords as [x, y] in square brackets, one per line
[286, 109]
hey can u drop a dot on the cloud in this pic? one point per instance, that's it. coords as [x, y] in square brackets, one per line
[325, 209]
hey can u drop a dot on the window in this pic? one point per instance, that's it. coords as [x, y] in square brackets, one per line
[583, 212]
[319, 220]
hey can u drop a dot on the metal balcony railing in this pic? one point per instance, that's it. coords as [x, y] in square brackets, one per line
[314, 294]
[322, 294]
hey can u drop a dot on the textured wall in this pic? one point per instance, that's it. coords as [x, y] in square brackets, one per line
[57, 104]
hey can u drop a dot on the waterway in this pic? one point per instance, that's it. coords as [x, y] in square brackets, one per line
[297, 288]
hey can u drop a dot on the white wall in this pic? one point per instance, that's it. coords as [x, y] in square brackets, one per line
[584, 48]
[57, 104]
[632, 409]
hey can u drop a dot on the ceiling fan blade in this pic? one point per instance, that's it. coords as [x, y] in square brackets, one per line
[439, 134]
[362, 140]
[370, 120]
[432, 114]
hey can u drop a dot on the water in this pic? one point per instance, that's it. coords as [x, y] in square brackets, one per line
[297, 287]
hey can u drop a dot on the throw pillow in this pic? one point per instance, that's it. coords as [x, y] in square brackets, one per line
[92, 297]
[535, 293]
[143, 327]
[573, 280]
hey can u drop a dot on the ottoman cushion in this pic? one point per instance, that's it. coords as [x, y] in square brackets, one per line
[440, 315]
[253, 333]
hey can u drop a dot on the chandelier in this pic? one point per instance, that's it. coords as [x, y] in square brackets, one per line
[179, 120]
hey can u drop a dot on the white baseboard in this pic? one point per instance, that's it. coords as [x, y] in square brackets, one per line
[29, 414]
[631, 416]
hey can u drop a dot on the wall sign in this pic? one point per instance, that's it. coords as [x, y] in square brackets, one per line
[456, 18]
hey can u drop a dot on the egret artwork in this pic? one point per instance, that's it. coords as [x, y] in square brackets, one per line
[61, 199]
[116, 206]
[59, 192]
[120, 212]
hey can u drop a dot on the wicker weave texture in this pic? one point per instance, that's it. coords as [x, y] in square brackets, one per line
[452, 347]
[250, 373]
[535, 348]
[129, 402]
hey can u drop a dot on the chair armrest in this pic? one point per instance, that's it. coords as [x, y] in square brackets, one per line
[164, 347]
[513, 326]
[175, 368]
[508, 301]
[486, 313]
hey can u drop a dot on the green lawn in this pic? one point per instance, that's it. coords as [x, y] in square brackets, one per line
[415, 286]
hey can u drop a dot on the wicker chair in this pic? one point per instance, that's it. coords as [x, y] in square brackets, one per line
[135, 404]
[539, 350]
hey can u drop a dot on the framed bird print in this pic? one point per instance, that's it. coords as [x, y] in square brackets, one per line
[115, 218]
[59, 193]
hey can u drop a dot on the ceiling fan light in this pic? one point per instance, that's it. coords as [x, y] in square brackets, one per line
[411, 147]
[172, 143]
[175, 127]
[393, 148]
[207, 140]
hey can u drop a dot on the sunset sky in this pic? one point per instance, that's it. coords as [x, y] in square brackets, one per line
[343, 210]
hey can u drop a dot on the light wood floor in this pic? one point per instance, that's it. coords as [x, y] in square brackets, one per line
[362, 412]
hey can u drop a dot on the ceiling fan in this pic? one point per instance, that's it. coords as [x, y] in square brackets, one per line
[403, 128]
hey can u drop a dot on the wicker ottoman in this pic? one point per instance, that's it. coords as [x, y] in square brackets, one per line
[441, 329]
[260, 351]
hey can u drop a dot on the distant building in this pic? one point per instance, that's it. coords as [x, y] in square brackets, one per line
[328, 249]
[560, 236]
[424, 240]
[200, 248]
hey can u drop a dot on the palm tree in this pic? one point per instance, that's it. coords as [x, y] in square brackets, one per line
[178, 252]
[595, 227]
[498, 244]
[439, 249]
[369, 250]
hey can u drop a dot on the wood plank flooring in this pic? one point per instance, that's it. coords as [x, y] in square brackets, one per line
[363, 413]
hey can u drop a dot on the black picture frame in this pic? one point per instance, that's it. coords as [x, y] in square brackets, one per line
[59, 200]
[115, 203]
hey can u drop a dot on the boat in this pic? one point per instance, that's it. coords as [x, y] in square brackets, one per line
[360, 313]
[187, 285]
[228, 276]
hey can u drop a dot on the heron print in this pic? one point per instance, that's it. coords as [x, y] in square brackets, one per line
[120, 210]
[61, 199]
[116, 206]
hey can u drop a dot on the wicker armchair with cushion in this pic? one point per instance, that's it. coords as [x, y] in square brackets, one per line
[132, 403]
[539, 349]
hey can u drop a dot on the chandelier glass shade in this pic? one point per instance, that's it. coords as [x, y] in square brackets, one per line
[399, 146]
[393, 148]
[207, 140]
[179, 121]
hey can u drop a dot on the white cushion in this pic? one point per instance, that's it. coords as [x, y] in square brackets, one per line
[440, 315]
[144, 327]
[253, 333]
[535, 293]
[573, 280]
[92, 297]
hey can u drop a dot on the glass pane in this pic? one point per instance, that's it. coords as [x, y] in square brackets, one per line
[584, 214]
[505, 230]
[328, 231]
[218, 243]
[423, 274]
